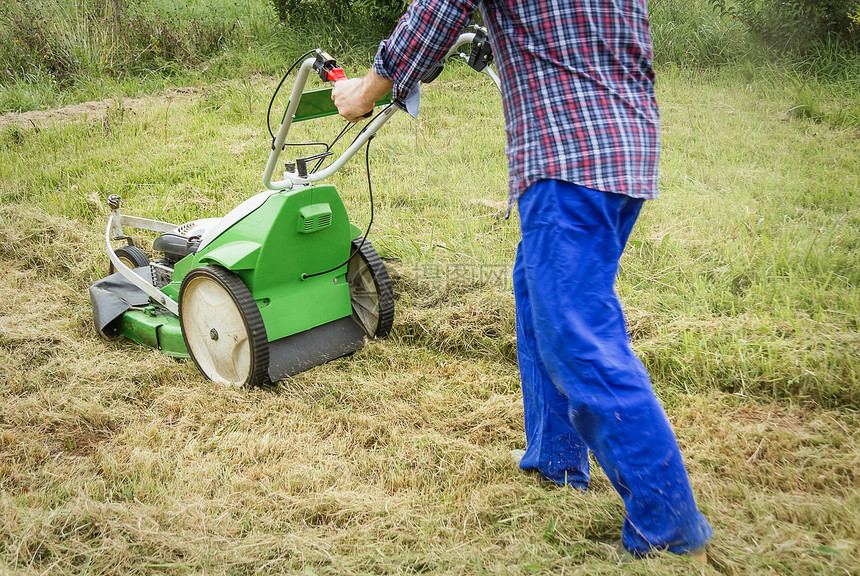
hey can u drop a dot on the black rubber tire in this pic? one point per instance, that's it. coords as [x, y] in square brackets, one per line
[219, 318]
[131, 256]
[370, 290]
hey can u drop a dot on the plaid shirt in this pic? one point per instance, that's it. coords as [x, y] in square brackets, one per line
[577, 85]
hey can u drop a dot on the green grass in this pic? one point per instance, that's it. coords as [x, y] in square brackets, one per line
[740, 283]
[692, 34]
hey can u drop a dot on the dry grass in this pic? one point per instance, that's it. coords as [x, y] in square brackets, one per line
[118, 460]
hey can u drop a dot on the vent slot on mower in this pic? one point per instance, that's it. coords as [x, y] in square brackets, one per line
[314, 218]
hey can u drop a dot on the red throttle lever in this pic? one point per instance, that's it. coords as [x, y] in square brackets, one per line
[335, 75]
[327, 68]
[329, 71]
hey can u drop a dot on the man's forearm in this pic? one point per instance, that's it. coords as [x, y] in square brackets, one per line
[355, 97]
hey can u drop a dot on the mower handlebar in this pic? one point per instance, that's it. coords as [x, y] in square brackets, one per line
[328, 70]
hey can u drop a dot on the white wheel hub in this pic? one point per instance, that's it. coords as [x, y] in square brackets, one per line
[216, 332]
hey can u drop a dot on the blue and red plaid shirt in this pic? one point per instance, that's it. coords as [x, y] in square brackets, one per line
[577, 85]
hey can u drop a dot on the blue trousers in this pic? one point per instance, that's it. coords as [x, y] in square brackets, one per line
[583, 387]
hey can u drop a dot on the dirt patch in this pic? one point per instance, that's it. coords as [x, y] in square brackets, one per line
[94, 109]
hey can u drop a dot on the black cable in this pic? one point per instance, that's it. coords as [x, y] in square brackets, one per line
[369, 193]
[369, 224]
[349, 126]
[367, 124]
[298, 144]
[281, 83]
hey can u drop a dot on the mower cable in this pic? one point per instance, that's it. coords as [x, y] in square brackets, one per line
[349, 126]
[369, 224]
[298, 144]
[281, 83]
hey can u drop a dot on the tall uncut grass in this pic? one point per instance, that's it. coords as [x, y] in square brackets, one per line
[65, 51]
[691, 33]
[71, 49]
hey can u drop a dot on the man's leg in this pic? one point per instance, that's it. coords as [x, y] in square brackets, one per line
[553, 446]
[572, 241]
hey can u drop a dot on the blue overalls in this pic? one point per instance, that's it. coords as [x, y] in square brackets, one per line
[583, 387]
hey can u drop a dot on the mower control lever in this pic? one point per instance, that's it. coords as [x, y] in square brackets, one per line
[329, 71]
[481, 55]
[302, 163]
[327, 68]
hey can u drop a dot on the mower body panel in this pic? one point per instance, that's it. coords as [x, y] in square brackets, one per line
[291, 253]
[153, 327]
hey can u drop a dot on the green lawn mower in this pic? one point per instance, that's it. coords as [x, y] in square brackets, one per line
[282, 283]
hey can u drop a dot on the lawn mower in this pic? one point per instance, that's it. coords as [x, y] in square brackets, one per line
[282, 283]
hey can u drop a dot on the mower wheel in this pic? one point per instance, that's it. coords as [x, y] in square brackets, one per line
[370, 290]
[131, 256]
[222, 327]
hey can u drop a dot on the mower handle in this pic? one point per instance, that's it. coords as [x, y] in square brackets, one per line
[324, 65]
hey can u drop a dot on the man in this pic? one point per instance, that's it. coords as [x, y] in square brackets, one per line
[583, 144]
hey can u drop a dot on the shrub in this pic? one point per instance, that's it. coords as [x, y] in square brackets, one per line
[365, 17]
[797, 25]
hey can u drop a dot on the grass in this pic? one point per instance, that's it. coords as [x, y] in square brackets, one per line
[692, 33]
[741, 287]
[62, 52]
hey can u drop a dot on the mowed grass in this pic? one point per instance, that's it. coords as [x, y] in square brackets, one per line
[741, 287]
